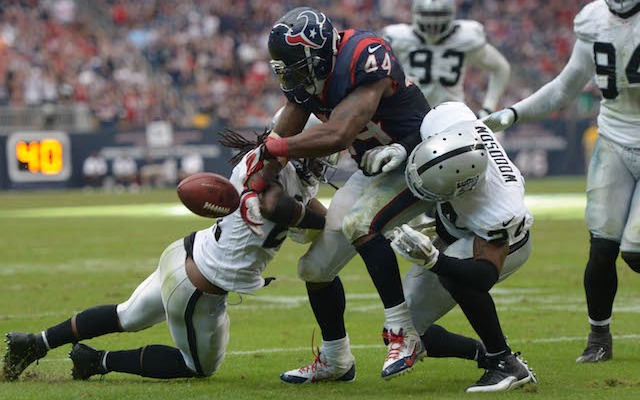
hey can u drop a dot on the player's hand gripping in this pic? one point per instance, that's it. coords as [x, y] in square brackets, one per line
[500, 120]
[414, 246]
[250, 211]
[383, 158]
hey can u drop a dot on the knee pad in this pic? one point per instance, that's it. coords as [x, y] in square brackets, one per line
[632, 260]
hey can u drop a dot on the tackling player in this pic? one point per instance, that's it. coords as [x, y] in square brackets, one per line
[437, 49]
[482, 227]
[352, 81]
[607, 49]
[189, 288]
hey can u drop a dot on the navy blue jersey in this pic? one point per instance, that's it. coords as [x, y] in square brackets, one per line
[364, 58]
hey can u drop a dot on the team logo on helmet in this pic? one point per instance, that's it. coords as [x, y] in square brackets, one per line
[310, 34]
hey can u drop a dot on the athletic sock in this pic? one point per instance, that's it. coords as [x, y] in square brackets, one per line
[153, 361]
[439, 342]
[328, 305]
[383, 268]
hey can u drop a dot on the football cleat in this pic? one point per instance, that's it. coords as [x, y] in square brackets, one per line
[22, 350]
[599, 348]
[404, 349]
[87, 361]
[320, 370]
[504, 373]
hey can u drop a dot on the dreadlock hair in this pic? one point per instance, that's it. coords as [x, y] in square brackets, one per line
[237, 141]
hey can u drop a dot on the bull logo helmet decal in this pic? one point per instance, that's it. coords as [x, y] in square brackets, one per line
[310, 34]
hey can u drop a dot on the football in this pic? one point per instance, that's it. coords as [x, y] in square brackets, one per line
[208, 195]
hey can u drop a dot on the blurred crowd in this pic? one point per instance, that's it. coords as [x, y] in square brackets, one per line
[194, 62]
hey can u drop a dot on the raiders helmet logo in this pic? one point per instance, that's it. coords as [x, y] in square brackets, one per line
[308, 34]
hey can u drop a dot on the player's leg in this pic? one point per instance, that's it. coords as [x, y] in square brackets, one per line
[144, 308]
[156, 361]
[428, 301]
[386, 202]
[319, 268]
[608, 178]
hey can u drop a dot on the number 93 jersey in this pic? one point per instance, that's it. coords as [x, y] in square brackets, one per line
[437, 68]
[616, 52]
[231, 256]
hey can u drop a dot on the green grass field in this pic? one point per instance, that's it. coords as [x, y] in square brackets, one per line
[66, 251]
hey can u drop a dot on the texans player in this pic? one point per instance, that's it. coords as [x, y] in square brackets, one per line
[188, 289]
[437, 49]
[353, 82]
[607, 50]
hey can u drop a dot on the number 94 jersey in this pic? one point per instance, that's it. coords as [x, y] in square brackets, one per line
[616, 53]
[437, 68]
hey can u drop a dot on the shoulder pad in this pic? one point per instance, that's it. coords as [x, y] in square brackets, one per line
[399, 36]
[467, 35]
[586, 24]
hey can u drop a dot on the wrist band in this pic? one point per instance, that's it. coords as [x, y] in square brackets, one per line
[277, 147]
[515, 113]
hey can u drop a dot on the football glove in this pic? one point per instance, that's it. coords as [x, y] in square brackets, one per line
[483, 112]
[250, 211]
[255, 180]
[500, 120]
[383, 158]
[414, 246]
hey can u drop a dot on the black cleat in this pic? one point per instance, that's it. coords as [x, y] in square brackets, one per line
[599, 348]
[87, 361]
[504, 373]
[22, 350]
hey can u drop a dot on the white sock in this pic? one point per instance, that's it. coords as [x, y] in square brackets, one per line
[399, 317]
[338, 352]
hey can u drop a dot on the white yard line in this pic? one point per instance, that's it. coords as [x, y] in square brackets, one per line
[380, 345]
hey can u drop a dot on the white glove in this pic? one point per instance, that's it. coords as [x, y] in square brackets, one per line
[500, 120]
[383, 158]
[414, 246]
[483, 112]
[250, 212]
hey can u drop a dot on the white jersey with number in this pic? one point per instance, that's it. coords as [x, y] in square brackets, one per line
[616, 51]
[495, 208]
[438, 69]
[236, 260]
[607, 50]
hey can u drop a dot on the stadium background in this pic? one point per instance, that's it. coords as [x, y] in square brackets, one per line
[157, 79]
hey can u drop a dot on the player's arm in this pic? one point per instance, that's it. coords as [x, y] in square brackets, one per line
[479, 273]
[552, 96]
[347, 120]
[284, 210]
[489, 59]
[292, 120]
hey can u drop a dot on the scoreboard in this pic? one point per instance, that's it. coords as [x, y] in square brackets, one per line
[38, 157]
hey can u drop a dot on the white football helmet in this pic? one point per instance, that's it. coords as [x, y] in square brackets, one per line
[621, 6]
[433, 19]
[447, 164]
